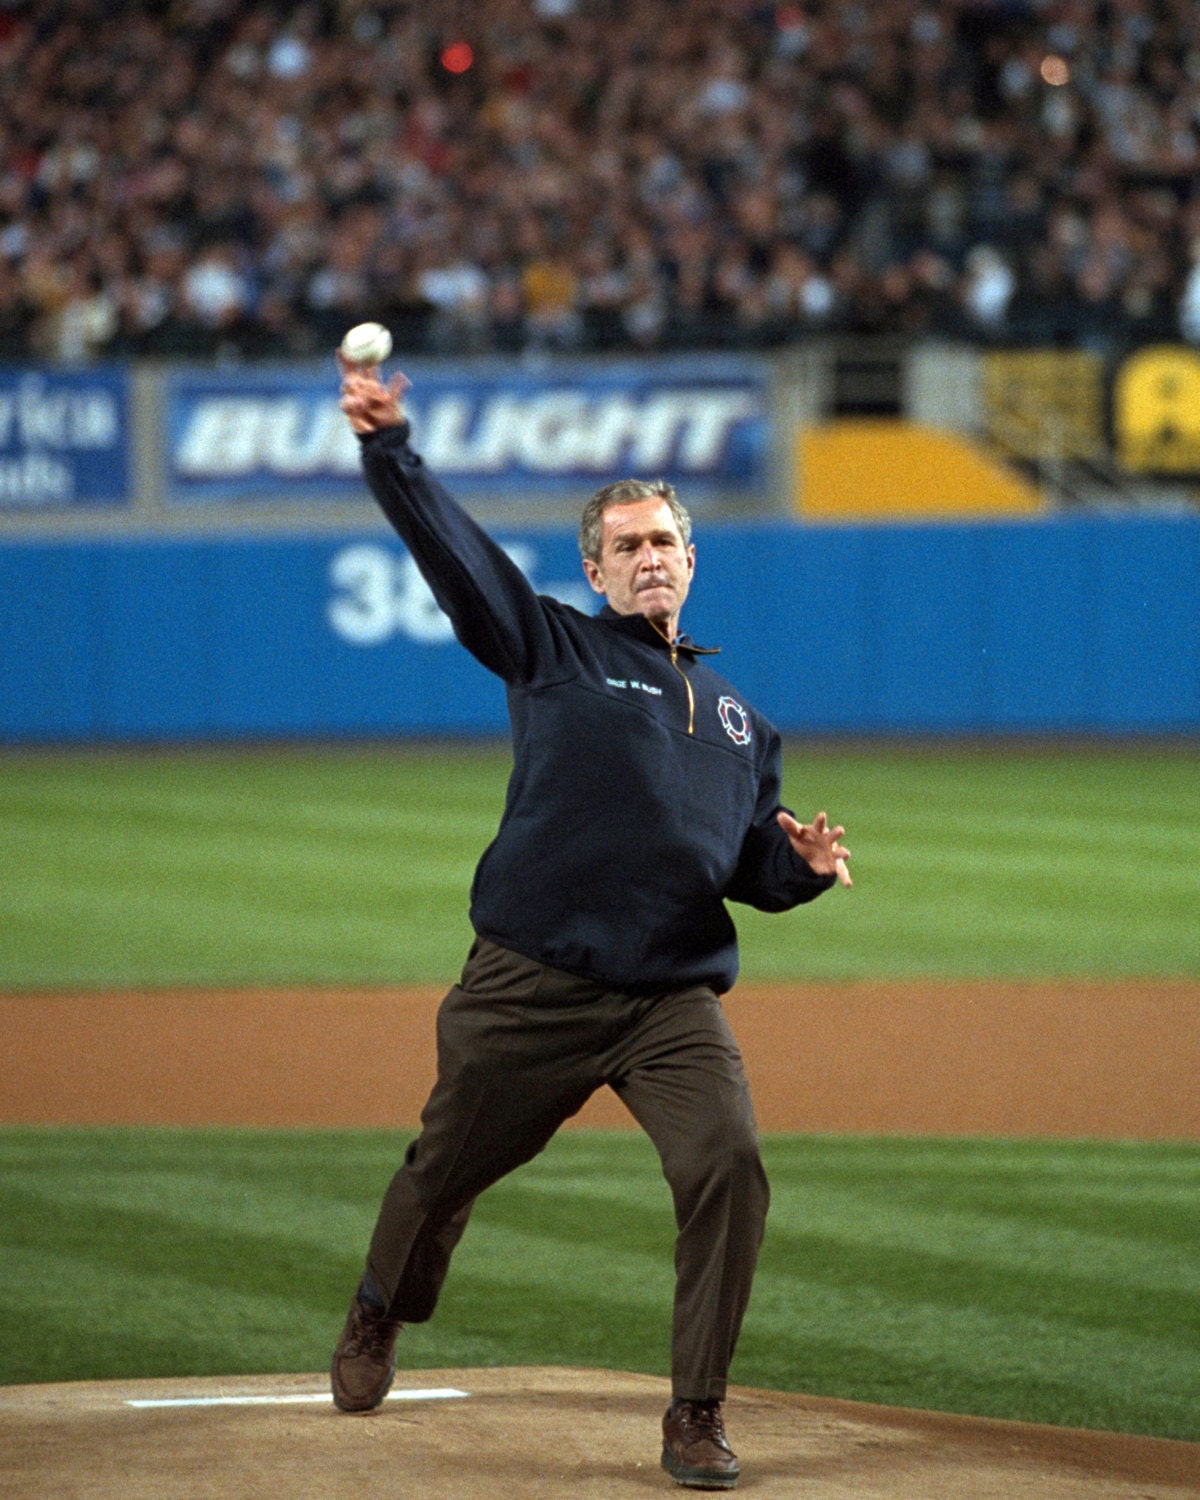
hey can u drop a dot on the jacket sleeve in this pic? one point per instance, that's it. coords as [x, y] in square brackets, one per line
[495, 612]
[770, 875]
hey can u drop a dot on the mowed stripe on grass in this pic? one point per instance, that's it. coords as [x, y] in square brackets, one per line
[1050, 1282]
[351, 865]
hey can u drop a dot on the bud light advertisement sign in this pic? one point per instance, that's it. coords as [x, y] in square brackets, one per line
[271, 436]
[64, 439]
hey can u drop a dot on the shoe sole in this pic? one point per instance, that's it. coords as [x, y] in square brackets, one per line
[698, 1479]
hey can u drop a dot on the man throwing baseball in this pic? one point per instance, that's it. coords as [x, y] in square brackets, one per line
[645, 795]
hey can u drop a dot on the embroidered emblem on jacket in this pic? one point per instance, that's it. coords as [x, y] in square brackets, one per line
[735, 719]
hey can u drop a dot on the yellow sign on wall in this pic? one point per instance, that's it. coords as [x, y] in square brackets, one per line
[1156, 411]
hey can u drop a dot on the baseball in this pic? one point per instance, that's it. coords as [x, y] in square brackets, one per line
[367, 344]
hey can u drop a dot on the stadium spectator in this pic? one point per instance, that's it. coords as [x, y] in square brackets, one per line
[247, 176]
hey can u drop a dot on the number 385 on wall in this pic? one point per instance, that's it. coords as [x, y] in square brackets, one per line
[379, 594]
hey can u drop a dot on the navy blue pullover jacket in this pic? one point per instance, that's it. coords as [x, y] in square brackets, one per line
[644, 789]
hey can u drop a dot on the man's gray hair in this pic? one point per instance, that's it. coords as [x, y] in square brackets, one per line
[624, 492]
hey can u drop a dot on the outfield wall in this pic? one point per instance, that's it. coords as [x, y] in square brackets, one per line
[1064, 625]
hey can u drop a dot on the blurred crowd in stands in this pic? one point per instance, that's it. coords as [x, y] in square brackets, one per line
[245, 179]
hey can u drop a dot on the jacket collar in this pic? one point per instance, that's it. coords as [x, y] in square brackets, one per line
[641, 629]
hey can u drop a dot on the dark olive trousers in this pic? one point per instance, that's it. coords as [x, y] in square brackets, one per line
[521, 1047]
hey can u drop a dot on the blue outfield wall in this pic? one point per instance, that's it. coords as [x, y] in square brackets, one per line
[1067, 625]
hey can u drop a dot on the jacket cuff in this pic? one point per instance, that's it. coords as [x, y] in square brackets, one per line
[813, 883]
[396, 434]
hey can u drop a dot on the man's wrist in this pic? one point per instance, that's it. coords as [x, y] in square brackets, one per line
[400, 427]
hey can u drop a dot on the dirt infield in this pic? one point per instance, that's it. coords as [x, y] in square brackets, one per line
[537, 1434]
[1063, 1058]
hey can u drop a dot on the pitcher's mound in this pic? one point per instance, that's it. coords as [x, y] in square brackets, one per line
[534, 1434]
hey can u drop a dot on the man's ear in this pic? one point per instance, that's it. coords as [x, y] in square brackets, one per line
[593, 574]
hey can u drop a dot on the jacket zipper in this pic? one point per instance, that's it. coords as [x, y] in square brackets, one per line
[687, 684]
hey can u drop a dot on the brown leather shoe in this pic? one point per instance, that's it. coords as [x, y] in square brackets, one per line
[695, 1451]
[364, 1360]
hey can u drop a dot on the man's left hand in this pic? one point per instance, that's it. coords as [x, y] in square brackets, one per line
[818, 845]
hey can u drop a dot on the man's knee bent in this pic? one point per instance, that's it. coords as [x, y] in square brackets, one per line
[722, 1160]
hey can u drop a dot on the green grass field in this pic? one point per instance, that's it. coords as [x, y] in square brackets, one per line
[1055, 1282]
[352, 865]
[1048, 1282]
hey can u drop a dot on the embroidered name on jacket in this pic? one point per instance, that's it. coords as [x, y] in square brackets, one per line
[632, 682]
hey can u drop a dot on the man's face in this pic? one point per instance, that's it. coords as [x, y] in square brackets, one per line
[644, 568]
